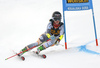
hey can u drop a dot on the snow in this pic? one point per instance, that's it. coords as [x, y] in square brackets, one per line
[23, 21]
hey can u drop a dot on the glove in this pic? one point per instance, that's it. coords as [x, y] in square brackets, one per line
[57, 42]
[52, 37]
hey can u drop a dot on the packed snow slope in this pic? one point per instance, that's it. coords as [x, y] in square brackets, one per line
[23, 21]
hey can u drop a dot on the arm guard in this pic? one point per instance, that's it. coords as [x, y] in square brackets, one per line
[48, 35]
[61, 36]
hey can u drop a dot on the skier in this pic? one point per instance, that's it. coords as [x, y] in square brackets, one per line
[53, 35]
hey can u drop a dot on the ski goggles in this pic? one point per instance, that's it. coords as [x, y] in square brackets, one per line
[57, 19]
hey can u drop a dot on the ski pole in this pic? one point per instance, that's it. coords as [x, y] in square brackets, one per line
[19, 53]
[13, 56]
[61, 44]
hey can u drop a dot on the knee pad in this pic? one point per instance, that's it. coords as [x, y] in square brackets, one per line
[39, 41]
[48, 44]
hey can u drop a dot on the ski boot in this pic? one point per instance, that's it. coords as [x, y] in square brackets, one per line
[40, 49]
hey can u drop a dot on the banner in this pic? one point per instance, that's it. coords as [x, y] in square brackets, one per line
[76, 5]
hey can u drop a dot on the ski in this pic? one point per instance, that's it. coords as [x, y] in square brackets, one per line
[21, 57]
[40, 55]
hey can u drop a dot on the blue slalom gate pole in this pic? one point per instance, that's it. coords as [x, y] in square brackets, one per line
[94, 26]
[64, 25]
